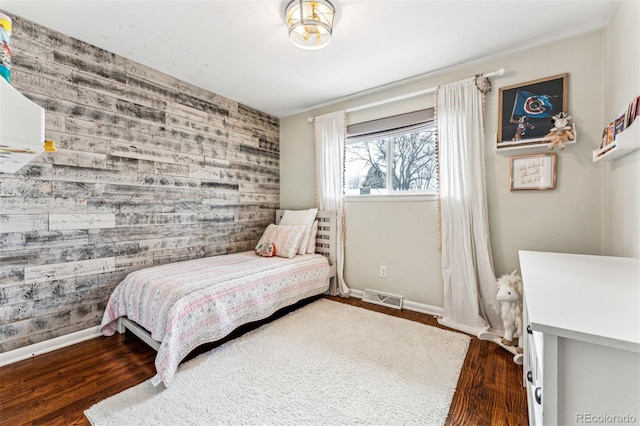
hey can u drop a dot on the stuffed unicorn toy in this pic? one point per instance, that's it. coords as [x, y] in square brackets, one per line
[510, 295]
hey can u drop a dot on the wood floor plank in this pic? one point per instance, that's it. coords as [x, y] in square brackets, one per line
[56, 388]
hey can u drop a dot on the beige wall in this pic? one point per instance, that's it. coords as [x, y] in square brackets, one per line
[403, 235]
[621, 188]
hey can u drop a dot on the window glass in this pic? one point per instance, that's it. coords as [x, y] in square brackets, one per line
[397, 161]
[366, 167]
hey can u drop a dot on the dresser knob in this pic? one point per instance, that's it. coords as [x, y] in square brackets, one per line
[538, 395]
[529, 376]
[529, 330]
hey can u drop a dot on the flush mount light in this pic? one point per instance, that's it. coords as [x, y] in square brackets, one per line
[310, 23]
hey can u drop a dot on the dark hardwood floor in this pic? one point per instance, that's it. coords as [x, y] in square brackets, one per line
[56, 388]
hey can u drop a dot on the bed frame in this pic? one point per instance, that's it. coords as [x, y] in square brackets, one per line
[325, 245]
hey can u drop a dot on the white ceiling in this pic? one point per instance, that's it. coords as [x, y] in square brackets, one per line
[240, 49]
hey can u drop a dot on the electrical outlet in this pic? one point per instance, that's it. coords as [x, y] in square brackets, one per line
[383, 272]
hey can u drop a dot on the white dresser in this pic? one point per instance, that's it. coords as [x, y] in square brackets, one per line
[582, 349]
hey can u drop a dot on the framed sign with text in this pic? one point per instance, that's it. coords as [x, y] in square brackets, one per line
[535, 171]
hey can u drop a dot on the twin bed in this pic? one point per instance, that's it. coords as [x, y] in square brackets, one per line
[177, 307]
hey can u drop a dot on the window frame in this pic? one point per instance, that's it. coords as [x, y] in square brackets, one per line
[425, 119]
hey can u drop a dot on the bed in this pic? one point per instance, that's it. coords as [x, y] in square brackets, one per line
[179, 306]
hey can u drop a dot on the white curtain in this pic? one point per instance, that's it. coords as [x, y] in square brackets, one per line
[330, 132]
[467, 265]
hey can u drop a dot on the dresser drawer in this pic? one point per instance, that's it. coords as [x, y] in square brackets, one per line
[535, 404]
[534, 355]
[533, 375]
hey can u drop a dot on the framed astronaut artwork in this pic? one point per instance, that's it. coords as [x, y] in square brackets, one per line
[525, 110]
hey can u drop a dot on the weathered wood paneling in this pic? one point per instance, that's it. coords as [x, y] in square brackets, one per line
[57, 271]
[149, 170]
[81, 221]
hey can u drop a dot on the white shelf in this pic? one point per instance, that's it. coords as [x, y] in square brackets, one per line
[532, 144]
[625, 143]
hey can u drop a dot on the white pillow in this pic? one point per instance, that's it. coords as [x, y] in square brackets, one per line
[311, 247]
[300, 217]
[285, 239]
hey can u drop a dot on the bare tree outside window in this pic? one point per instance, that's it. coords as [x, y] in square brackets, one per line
[411, 157]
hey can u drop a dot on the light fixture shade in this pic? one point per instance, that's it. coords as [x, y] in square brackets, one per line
[310, 23]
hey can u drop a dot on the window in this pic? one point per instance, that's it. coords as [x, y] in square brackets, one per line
[392, 156]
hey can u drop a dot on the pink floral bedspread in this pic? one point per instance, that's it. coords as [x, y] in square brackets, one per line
[186, 304]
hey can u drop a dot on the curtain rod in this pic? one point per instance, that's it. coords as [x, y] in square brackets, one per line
[430, 90]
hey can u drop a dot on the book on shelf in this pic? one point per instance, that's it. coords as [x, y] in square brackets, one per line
[610, 132]
[633, 111]
[619, 124]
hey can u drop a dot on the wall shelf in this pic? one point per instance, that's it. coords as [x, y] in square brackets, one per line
[21, 129]
[625, 143]
[535, 144]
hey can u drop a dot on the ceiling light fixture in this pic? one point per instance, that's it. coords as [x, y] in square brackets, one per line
[310, 23]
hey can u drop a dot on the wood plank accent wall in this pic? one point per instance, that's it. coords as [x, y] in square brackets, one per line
[149, 170]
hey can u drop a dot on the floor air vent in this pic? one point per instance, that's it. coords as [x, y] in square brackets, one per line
[380, 298]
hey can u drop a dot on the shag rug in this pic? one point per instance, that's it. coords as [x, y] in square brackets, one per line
[326, 363]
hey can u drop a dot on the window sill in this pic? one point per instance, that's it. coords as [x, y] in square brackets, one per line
[390, 198]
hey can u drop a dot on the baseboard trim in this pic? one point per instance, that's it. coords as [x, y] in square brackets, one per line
[50, 345]
[409, 305]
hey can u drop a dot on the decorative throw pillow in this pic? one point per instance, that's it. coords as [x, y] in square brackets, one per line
[286, 239]
[267, 235]
[300, 217]
[266, 250]
[311, 247]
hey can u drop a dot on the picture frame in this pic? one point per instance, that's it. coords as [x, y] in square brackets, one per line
[525, 110]
[533, 172]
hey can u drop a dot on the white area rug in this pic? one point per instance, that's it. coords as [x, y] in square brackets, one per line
[326, 363]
